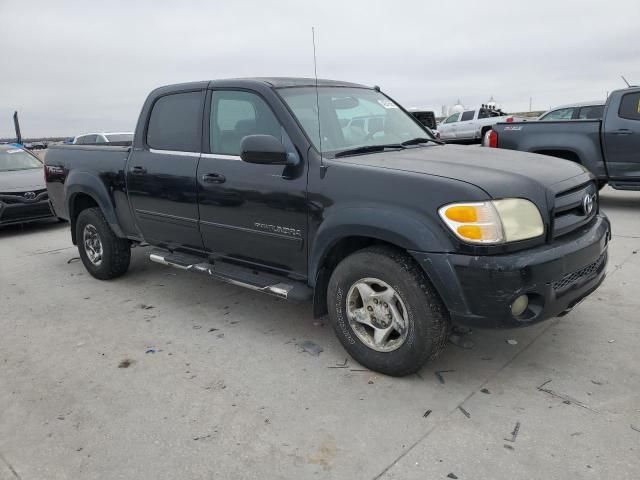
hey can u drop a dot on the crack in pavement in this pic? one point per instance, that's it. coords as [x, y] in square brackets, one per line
[552, 323]
[626, 236]
[10, 467]
[55, 250]
[620, 265]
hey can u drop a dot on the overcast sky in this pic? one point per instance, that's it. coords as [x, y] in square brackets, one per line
[72, 67]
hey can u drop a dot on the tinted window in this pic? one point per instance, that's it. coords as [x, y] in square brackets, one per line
[428, 119]
[593, 112]
[120, 137]
[453, 118]
[467, 115]
[87, 139]
[100, 139]
[175, 122]
[235, 115]
[561, 114]
[630, 106]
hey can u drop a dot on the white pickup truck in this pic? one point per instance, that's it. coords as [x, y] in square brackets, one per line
[470, 126]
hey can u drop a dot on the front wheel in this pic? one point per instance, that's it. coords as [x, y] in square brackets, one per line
[103, 254]
[385, 312]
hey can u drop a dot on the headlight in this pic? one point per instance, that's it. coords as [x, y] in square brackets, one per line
[493, 222]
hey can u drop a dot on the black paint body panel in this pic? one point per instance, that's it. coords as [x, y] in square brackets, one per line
[286, 219]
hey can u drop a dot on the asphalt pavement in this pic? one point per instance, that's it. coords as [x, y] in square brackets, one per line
[163, 374]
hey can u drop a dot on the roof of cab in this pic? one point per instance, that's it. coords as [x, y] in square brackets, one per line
[270, 82]
[283, 82]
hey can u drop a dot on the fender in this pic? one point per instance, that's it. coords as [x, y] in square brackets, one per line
[582, 146]
[89, 184]
[397, 227]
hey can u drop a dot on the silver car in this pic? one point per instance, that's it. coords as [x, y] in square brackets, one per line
[575, 111]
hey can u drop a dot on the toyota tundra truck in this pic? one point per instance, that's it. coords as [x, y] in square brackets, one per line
[268, 184]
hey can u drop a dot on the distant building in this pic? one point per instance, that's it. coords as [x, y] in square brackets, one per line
[457, 108]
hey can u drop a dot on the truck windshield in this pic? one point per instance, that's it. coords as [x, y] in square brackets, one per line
[350, 118]
[17, 159]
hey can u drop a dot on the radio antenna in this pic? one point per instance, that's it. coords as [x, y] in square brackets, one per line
[623, 79]
[315, 74]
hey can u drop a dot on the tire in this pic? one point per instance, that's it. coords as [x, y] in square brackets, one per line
[483, 132]
[425, 317]
[114, 253]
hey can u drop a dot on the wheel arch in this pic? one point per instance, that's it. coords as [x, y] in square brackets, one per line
[564, 153]
[83, 191]
[337, 238]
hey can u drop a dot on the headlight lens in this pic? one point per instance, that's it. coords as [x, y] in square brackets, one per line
[493, 222]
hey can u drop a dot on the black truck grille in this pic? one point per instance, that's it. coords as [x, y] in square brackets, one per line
[585, 273]
[29, 196]
[571, 209]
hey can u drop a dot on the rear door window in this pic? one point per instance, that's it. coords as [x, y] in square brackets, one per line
[176, 122]
[468, 115]
[87, 139]
[630, 106]
[592, 112]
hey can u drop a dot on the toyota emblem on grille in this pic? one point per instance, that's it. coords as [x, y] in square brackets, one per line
[587, 204]
[30, 195]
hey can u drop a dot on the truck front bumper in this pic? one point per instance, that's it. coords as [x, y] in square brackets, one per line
[480, 291]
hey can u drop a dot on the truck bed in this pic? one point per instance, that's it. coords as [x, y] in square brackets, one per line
[103, 168]
[576, 140]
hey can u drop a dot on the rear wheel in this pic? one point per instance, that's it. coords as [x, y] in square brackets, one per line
[103, 254]
[385, 312]
[483, 133]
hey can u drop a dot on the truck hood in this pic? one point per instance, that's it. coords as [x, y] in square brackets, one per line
[22, 180]
[500, 173]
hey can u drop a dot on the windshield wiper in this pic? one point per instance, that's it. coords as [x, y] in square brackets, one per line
[369, 149]
[416, 141]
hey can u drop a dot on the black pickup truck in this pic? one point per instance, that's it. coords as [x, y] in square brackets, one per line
[270, 184]
[609, 148]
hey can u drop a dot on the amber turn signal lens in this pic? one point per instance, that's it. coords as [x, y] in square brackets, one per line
[471, 232]
[462, 214]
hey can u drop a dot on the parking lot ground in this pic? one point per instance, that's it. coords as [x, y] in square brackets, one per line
[164, 374]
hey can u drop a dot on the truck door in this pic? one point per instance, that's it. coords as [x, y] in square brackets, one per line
[254, 214]
[161, 174]
[448, 127]
[622, 137]
[466, 127]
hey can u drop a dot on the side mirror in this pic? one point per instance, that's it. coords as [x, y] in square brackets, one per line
[263, 149]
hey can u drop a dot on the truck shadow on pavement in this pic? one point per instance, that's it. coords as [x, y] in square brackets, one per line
[31, 228]
[620, 199]
[216, 309]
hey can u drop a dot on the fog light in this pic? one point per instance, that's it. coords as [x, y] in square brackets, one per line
[519, 305]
